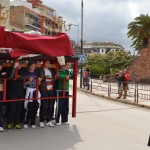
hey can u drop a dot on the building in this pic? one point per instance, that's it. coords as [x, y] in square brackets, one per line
[98, 47]
[50, 24]
[23, 17]
[4, 13]
[34, 15]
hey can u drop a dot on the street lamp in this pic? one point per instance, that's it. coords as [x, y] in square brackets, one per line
[3, 15]
[81, 65]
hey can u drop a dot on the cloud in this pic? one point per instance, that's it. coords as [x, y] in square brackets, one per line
[104, 20]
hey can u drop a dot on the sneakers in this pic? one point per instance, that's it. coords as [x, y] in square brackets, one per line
[17, 126]
[33, 126]
[53, 121]
[58, 124]
[50, 124]
[25, 126]
[42, 124]
[65, 123]
[118, 97]
[9, 126]
[1, 129]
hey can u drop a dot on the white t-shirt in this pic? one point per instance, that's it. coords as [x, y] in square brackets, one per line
[48, 75]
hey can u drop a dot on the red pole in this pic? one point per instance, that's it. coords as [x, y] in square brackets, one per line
[74, 88]
[57, 68]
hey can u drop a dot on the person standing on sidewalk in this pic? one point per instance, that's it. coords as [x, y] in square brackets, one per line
[2, 75]
[47, 90]
[86, 78]
[127, 76]
[31, 105]
[15, 91]
[123, 85]
[62, 104]
[118, 82]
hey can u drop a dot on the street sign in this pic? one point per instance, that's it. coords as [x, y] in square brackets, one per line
[82, 58]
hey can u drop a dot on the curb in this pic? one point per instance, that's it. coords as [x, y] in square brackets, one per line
[116, 100]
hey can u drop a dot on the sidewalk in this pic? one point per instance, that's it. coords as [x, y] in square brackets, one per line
[102, 93]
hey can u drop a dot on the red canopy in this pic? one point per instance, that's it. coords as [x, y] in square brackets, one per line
[24, 44]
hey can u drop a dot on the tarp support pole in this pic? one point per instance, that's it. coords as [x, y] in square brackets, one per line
[75, 68]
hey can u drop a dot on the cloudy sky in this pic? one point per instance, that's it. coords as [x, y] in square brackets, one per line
[104, 20]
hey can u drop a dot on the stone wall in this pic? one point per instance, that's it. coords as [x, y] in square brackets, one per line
[140, 69]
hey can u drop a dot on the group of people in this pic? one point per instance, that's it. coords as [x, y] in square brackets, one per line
[123, 77]
[22, 84]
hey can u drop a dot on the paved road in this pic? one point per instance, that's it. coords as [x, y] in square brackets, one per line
[100, 125]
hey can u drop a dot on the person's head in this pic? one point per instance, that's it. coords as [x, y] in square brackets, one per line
[120, 73]
[87, 69]
[46, 64]
[68, 65]
[125, 71]
[64, 67]
[17, 64]
[1, 65]
[31, 66]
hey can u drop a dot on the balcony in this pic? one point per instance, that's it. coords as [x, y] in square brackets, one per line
[48, 27]
[32, 24]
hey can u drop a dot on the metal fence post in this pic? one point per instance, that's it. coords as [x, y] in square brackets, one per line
[135, 93]
[91, 84]
[108, 89]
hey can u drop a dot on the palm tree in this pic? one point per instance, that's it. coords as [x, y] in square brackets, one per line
[139, 31]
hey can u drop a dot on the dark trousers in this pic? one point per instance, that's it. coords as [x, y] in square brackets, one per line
[1, 109]
[62, 107]
[46, 109]
[31, 113]
[14, 108]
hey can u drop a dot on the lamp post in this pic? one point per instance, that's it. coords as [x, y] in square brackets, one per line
[3, 15]
[77, 25]
[81, 65]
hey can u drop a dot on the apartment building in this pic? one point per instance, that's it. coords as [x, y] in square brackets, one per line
[99, 47]
[4, 13]
[34, 15]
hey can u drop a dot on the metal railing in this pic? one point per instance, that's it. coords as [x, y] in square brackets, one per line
[138, 91]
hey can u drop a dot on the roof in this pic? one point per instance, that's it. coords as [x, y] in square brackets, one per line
[24, 44]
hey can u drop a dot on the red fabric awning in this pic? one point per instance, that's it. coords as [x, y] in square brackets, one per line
[24, 44]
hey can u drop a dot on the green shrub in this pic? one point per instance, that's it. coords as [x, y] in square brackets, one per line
[98, 69]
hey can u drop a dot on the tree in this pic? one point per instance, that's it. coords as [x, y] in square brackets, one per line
[111, 62]
[97, 65]
[118, 60]
[139, 31]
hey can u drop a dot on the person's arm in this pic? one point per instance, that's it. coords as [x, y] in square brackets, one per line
[28, 81]
[3, 74]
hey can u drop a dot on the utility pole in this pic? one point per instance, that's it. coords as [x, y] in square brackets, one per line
[81, 65]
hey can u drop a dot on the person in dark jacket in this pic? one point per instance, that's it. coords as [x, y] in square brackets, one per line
[15, 91]
[3, 74]
[47, 90]
[123, 85]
